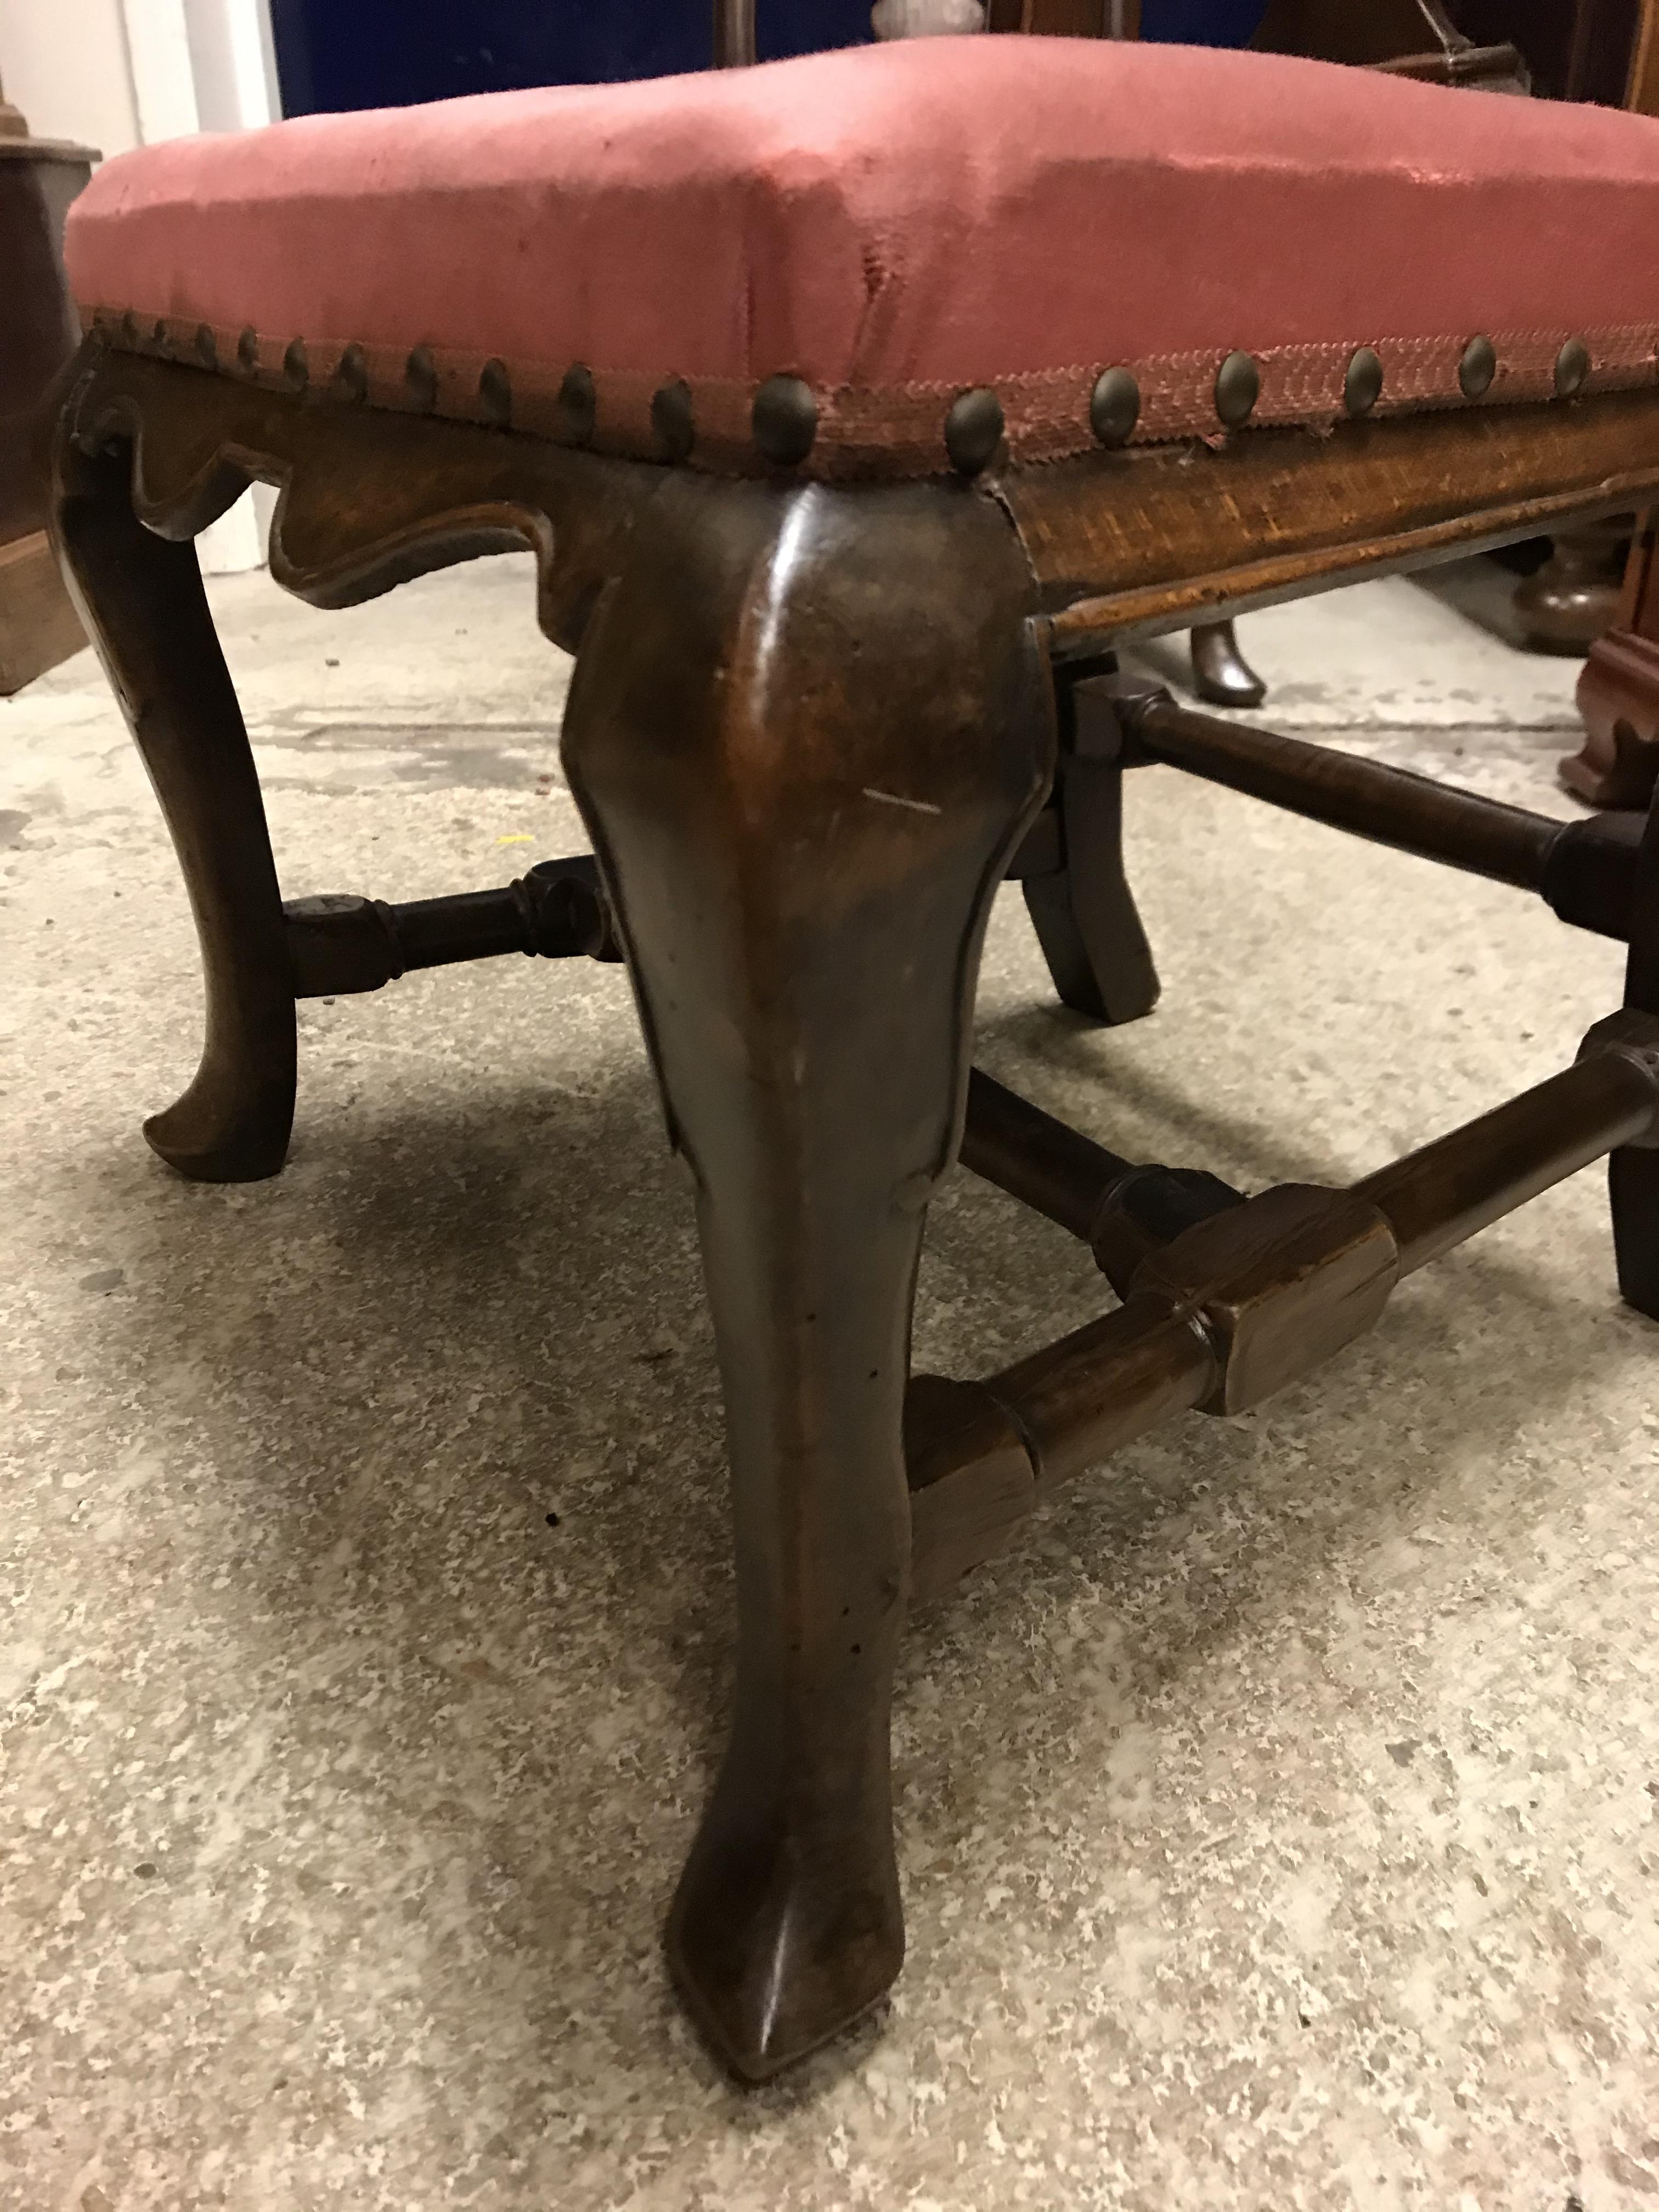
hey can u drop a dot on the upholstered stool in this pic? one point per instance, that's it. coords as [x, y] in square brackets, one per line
[856, 408]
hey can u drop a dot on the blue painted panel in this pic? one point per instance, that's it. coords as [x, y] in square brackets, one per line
[1201, 22]
[334, 54]
[809, 27]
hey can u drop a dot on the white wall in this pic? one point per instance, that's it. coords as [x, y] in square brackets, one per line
[116, 73]
[64, 63]
[232, 61]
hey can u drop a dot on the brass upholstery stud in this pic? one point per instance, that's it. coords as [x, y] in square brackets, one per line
[130, 329]
[1114, 406]
[421, 375]
[785, 420]
[351, 373]
[207, 346]
[161, 339]
[1238, 388]
[247, 350]
[1572, 367]
[296, 369]
[973, 431]
[495, 394]
[1477, 368]
[578, 405]
[1362, 387]
[673, 421]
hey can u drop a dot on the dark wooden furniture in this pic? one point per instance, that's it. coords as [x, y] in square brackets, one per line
[1580, 50]
[1591, 50]
[819, 1108]
[38, 333]
[1409, 38]
[1618, 764]
[833, 685]
[1572, 596]
[1425, 39]
[1221, 674]
[1605, 51]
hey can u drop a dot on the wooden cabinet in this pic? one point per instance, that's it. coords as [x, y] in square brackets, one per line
[38, 333]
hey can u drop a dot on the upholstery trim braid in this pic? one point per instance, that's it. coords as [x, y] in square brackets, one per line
[881, 433]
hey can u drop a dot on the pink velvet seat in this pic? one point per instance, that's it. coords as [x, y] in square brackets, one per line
[890, 225]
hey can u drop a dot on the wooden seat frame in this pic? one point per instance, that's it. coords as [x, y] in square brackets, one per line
[811, 729]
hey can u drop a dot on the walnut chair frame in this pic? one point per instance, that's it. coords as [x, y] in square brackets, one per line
[811, 727]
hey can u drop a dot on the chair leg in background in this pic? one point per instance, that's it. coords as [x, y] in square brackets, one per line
[1085, 916]
[1221, 675]
[142, 600]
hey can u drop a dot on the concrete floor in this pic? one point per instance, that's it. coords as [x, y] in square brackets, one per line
[1280, 1823]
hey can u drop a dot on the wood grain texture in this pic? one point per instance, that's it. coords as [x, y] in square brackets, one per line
[1140, 542]
[972, 1485]
[1441, 1195]
[1087, 1395]
[1367, 798]
[1641, 86]
[38, 626]
[1120, 543]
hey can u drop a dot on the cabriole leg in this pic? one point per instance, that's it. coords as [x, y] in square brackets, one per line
[141, 598]
[1221, 675]
[806, 728]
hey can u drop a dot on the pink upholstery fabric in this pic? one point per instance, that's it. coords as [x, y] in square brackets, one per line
[949, 209]
[939, 213]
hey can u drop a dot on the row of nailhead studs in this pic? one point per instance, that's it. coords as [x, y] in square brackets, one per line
[784, 417]
[785, 414]
[973, 428]
[1114, 405]
[974, 423]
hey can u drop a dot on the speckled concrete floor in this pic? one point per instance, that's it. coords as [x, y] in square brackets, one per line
[1278, 1823]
